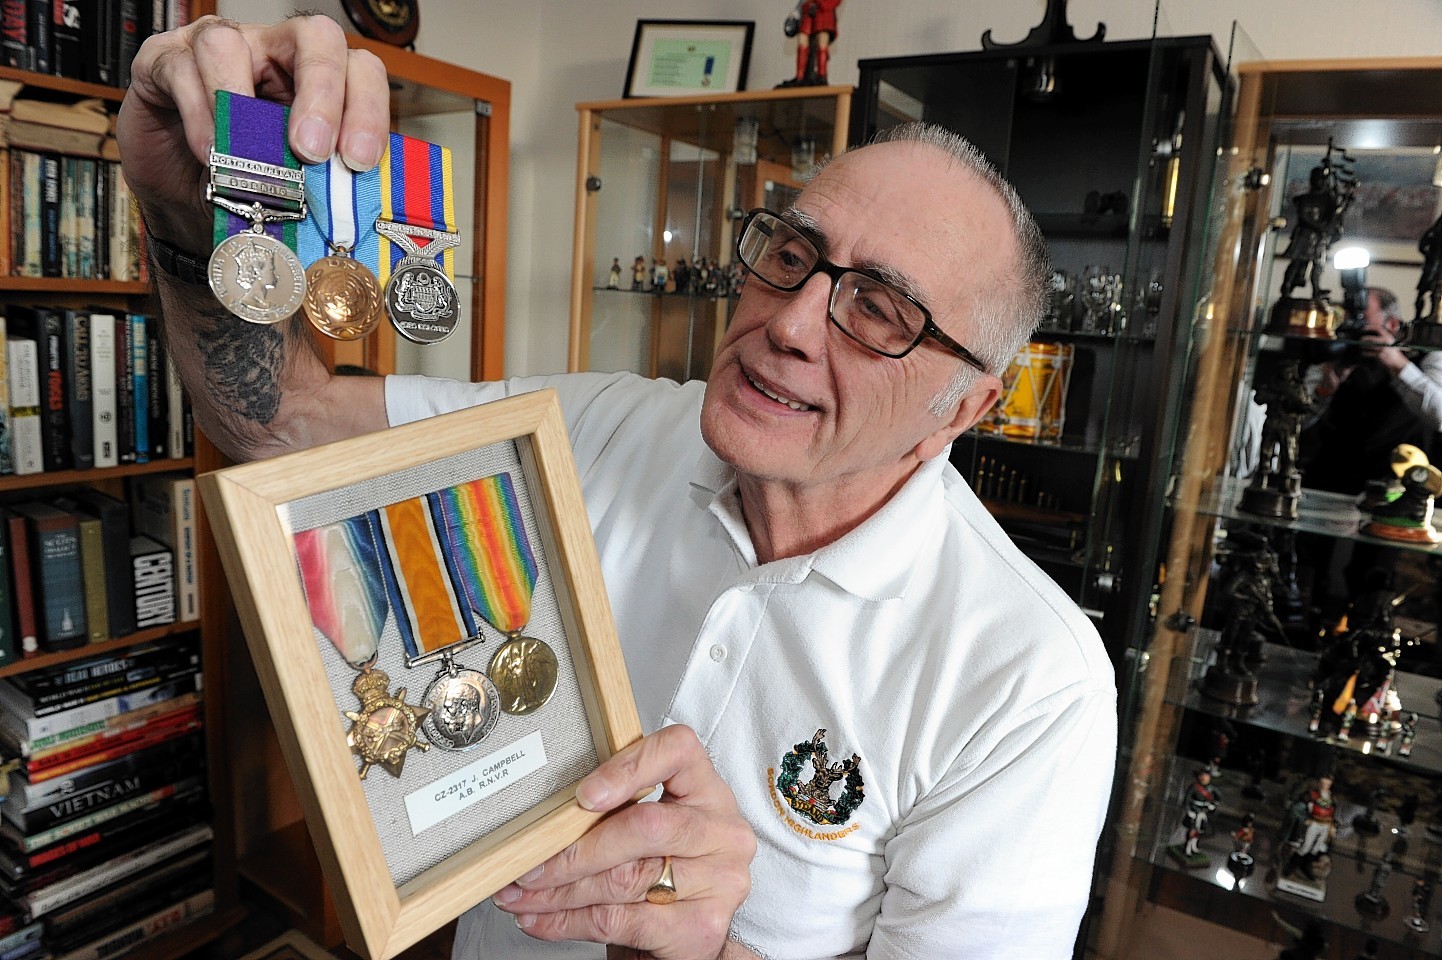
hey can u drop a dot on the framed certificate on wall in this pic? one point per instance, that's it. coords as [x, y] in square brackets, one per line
[673, 58]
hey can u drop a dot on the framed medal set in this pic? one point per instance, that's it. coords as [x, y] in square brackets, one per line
[426, 614]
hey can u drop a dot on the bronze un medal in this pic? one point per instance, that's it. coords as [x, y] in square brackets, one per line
[524, 671]
[257, 278]
[342, 298]
[463, 707]
[385, 726]
[421, 301]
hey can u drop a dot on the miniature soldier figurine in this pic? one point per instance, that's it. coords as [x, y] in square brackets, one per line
[1421, 904]
[1198, 803]
[1409, 734]
[1349, 716]
[682, 275]
[613, 280]
[1277, 484]
[1250, 618]
[1371, 902]
[638, 273]
[1313, 815]
[1319, 697]
[1307, 251]
[660, 275]
[1240, 862]
[813, 23]
[1430, 246]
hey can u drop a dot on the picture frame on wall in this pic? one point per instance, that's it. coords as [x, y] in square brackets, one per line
[426, 614]
[674, 58]
[1397, 198]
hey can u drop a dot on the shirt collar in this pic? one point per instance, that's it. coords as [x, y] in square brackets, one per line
[873, 562]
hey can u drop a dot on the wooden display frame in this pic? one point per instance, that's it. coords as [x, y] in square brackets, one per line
[248, 505]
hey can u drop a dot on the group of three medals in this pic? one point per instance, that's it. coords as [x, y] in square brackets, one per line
[260, 279]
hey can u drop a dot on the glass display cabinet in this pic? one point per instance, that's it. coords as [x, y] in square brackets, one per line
[1112, 146]
[1293, 670]
[661, 183]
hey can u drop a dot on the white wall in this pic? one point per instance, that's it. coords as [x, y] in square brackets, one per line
[555, 55]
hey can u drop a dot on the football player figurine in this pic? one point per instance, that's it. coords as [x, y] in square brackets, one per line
[1407, 514]
[813, 24]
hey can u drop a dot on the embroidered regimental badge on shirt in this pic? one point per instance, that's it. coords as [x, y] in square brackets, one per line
[808, 785]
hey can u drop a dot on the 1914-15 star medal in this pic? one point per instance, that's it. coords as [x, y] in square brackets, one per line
[385, 726]
[342, 298]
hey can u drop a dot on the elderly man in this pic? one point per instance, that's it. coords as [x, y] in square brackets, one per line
[796, 570]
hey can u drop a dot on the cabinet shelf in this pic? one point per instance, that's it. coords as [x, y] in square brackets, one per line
[62, 285]
[61, 478]
[112, 645]
[64, 85]
[1082, 225]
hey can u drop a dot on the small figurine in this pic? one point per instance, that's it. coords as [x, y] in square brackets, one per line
[1421, 904]
[1240, 861]
[613, 279]
[813, 24]
[1407, 515]
[682, 275]
[1428, 284]
[1319, 697]
[638, 273]
[660, 275]
[1198, 803]
[1320, 212]
[1307, 838]
[1276, 486]
[1366, 821]
[1371, 902]
[1250, 619]
[1349, 716]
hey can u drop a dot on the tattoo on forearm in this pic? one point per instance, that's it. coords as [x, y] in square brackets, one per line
[243, 364]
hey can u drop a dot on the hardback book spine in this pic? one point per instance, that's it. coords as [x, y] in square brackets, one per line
[9, 647]
[123, 253]
[131, 30]
[51, 257]
[140, 385]
[15, 46]
[153, 582]
[7, 461]
[67, 42]
[159, 389]
[99, 22]
[45, 328]
[38, 17]
[124, 389]
[69, 220]
[22, 584]
[131, 682]
[7, 213]
[27, 445]
[111, 740]
[98, 674]
[175, 413]
[70, 928]
[104, 180]
[104, 421]
[85, 218]
[79, 387]
[25, 795]
[81, 819]
[164, 509]
[21, 876]
[25, 229]
[60, 598]
[92, 571]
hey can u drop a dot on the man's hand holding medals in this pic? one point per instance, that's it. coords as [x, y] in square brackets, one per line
[286, 197]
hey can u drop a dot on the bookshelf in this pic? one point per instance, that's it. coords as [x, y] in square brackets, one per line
[122, 296]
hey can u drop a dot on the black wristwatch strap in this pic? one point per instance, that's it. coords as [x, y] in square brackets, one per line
[176, 262]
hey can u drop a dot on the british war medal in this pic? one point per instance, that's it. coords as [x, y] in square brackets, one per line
[257, 187]
[341, 570]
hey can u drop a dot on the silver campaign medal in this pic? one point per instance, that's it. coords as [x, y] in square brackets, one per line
[420, 299]
[253, 275]
[464, 707]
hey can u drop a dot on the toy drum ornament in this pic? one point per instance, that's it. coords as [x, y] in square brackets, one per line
[1033, 396]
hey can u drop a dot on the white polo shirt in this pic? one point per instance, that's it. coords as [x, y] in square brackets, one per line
[975, 698]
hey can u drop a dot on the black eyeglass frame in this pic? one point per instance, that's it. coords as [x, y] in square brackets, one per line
[823, 265]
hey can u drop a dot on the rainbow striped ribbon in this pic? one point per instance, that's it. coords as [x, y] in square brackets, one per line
[256, 130]
[492, 554]
[341, 571]
[418, 581]
[417, 187]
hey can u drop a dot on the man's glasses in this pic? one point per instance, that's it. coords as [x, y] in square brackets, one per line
[863, 306]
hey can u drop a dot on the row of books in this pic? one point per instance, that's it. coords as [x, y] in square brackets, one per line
[86, 388]
[84, 567]
[69, 217]
[92, 40]
[104, 832]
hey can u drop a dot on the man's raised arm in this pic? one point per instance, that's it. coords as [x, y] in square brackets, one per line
[257, 389]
